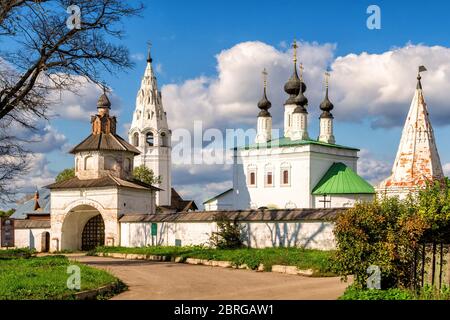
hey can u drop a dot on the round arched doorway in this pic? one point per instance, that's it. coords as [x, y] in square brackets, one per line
[93, 233]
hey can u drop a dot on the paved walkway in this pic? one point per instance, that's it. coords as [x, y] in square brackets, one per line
[167, 280]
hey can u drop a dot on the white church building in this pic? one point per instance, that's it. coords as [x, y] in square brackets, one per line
[296, 170]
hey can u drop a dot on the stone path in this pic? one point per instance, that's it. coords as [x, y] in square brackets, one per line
[167, 280]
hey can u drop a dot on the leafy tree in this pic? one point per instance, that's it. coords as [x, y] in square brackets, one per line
[66, 174]
[146, 175]
[7, 213]
[385, 233]
[229, 233]
[42, 57]
[390, 232]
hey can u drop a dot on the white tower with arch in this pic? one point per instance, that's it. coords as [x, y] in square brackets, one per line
[150, 134]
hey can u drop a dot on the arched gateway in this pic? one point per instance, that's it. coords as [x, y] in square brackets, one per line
[93, 233]
[85, 210]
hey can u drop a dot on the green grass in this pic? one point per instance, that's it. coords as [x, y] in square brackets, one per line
[319, 261]
[425, 293]
[36, 278]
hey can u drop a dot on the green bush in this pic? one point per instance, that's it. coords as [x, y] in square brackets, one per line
[353, 293]
[16, 253]
[229, 235]
[388, 233]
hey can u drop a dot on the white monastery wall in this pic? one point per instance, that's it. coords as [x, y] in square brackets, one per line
[29, 238]
[261, 234]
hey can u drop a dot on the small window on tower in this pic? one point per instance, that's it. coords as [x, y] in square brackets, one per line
[165, 140]
[136, 139]
[150, 139]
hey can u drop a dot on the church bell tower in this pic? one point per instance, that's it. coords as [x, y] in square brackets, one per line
[150, 134]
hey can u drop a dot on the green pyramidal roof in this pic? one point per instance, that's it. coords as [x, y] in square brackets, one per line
[340, 179]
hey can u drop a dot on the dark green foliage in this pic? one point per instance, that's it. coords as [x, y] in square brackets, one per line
[388, 233]
[146, 175]
[66, 174]
[352, 293]
[7, 213]
[16, 253]
[229, 234]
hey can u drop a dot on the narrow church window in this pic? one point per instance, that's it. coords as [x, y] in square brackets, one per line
[253, 178]
[269, 179]
[89, 163]
[164, 139]
[150, 139]
[285, 177]
[136, 139]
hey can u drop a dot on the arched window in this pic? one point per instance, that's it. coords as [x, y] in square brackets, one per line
[127, 164]
[164, 139]
[150, 139]
[268, 175]
[285, 174]
[136, 139]
[110, 163]
[252, 178]
[89, 163]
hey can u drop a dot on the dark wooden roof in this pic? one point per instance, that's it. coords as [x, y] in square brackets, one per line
[107, 181]
[30, 224]
[178, 204]
[104, 141]
[241, 215]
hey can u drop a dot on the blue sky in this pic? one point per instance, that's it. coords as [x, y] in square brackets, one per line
[187, 36]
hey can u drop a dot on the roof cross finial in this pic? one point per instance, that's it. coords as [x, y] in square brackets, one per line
[295, 46]
[301, 70]
[421, 69]
[149, 57]
[327, 78]
[264, 73]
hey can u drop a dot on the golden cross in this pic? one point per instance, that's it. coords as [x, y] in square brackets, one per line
[327, 77]
[295, 46]
[301, 70]
[264, 73]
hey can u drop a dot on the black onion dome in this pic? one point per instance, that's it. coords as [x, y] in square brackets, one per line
[326, 106]
[300, 99]
[300, 109]
[103, 102]
[292, 86]
[264, 104]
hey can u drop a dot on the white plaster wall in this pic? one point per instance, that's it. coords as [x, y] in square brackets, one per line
[190, 233]
[307, 164]
[224, 202]
[342, 201]
[29, 238]
[310, 235]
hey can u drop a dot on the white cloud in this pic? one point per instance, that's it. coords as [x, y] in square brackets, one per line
[82, 104]
[229, 100]
[377, 87]
[446, 168]
[371, 168]
[138, 56]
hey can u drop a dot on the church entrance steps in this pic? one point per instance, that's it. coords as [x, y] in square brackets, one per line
[291, 270]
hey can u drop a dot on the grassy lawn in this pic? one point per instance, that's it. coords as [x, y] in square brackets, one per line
[26, 277]
[425, 293]
[319, 261]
